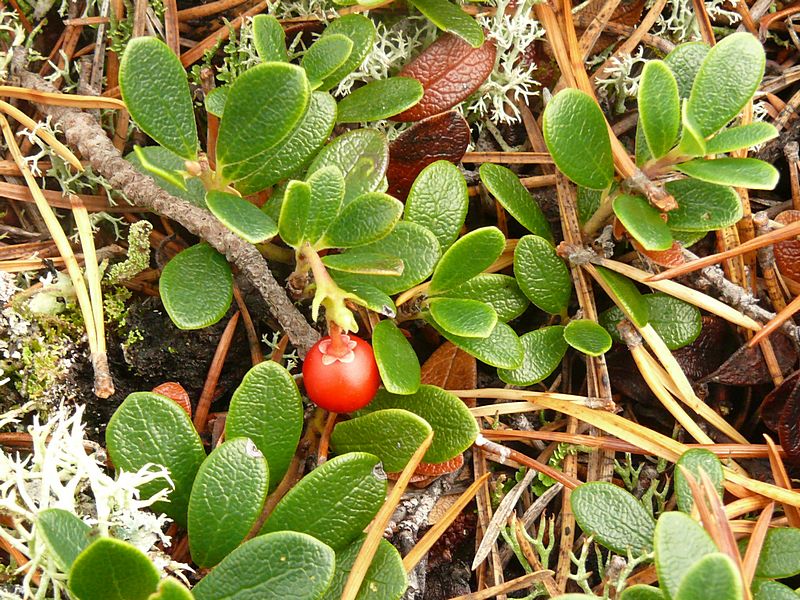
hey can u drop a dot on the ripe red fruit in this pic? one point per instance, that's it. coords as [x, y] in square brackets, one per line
[341, 381]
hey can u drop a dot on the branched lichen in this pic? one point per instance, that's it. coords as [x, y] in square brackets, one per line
[138, 253]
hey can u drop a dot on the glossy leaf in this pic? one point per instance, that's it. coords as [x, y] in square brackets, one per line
[268, 409]
[170, 589]
[271, 567]
[438, 200]
[541, 274]
[587, 337]
[379, 99]
[740, 172]
[780, 555]
[227, 496]
[678, 323]
[702, 206]
[166, 161]
[241, 217]
[368, 296]
[64, 534]
[466, 258]
[615, 517]
[111, 569]
[324, 57]
[501, 349]
[642, 150]
[684, 62]
[365, 220]
[391, 435]
[151, 429]
[679, 542]
[265, 104]
[450, 17]
[505, 186]
[643, 222]
[397, 361]
[726, 81]
[543, 350]
[692, 141]
[743, 136]
[713, 576]
[450, 71]
[627, 296]
[453, 425]
[327, 194]
[385, 578]
[196, 287]
[155, 90]
[501, 292]
[361, 32]
[294, 215]
[659, 107]
[269, 39]
[364, 263]
[361, 155]
[333, 503]
[589, 201]
[576, 135]
[463, 317]
[696, 461]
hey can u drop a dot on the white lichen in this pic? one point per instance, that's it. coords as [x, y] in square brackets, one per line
[678, 23]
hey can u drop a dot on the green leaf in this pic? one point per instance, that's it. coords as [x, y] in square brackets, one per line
[196, 287]
[379, 99]
[216, 99]
[467, 257]
[713, 576]
[271, 567]
[294, 215]
[385, 578]
[740, 172]
[542, 275]
[268, 409]
[615, 517]
[626, 296]
[227, 496]
[151, 429]
[453, 425]
[463, 317]
[327, 195]
[543, 350]
[764, 589]
[362, 156]
[501, 349]
[780, 555]
[659, 107]
[111, 569]
[242, 217]
[587, 337]
[726, 81]
[366, 219]
[642, 151]
[685, 61]
[361, 32]
[391, 435]
[170, 589]
[679, 542]
[371, 297]
[265, 104]
[501, 292]
[64, 534]
[335, 502]
[692, 141]
[450, 17]
[438, 200]
[166, 162]
[576, 135]
[155, 90]
[589, 201]
[295, 151]
[702, 206]
[695, 461]
[643, 222]
[269, 39]
[678, 323]
[744, 136]
[397, 362]
[642, 592]
[506, 187]
[365, 264]
[325, 57]
[414, 244]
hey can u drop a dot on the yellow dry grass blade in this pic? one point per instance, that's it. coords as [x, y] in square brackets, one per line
[71, 100]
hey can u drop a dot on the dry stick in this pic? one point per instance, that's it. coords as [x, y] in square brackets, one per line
[776, 322]
[205, 10]
[212, 378]
[502, 455]
[509, 586]
[782, 479]
[196, 53]
[375, 533]
[256, 355]
[59, 99]
[83, 132]
[750, 560]
[325, 439]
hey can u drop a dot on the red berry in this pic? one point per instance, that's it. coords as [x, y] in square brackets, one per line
[341, 383]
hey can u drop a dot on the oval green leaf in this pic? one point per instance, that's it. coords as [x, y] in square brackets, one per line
[397, 362]
[764, 589]
[170, 589]
[242, 217]
[542, 275]
[744, 136]
[713, 576]
[501, 292]
[626, 296]
[294, 214]
[111, 569]
[505, 186]
[450, 17]
[325, 56]
[463, 317]
[361, 31]
[467, 257]
[364, 263]
[363, 221]
[269, 39]
[268, 409]
[502, 349]
[543, 350]
[167, 162]
[659, 107]
[685, 61]
[227, 496]
[370, 297]
[327, 194]
[780, 554]
[215, 100]
[64, 534]
[702, 206]
[739, 172]
[643, 222]
[380, 99]
[695, 461]
[385, 578]
[679, 542]
[587, 337]
[642, 592]
[678, 323]
[335, 502]
[151, 429]
[438, 200]
[196, 287]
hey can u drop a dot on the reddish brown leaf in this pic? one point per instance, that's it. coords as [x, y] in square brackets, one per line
[451, 369]
[664, 258]
[747, 366]
[441, 137]
[789, 427]
[174, 391]
[707, 352]
[787, 253]
[425, 470]
[450, 70]
[776, 400]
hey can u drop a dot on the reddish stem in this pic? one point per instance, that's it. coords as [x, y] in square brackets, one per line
[338, 347]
